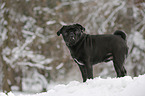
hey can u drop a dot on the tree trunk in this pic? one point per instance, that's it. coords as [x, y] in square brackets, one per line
[1, 72]
[130, 22]
[5, 85]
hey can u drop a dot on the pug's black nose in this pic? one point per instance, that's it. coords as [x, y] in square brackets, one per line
[71, 34]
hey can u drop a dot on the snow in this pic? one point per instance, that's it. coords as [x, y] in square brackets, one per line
[60, 66]
[50, 22]
[125, 86]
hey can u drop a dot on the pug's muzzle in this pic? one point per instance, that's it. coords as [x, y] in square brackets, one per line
[71, 40]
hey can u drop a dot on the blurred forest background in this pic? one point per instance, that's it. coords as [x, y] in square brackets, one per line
[32, 56]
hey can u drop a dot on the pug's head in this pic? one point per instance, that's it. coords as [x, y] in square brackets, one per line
[71, 33]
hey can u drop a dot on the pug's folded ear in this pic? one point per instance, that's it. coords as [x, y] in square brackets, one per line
[80, 26]
[60, 31]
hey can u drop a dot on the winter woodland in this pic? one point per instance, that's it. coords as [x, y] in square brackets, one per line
[33, 56]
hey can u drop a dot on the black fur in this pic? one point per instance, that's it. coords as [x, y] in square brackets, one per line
[87, 50]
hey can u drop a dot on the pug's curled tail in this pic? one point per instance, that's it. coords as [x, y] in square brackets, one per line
[120, 33]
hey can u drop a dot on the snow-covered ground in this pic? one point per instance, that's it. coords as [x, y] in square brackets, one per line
[125, 86]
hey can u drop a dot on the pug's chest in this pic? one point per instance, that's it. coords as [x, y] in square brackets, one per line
[78, 61]
[79, 58]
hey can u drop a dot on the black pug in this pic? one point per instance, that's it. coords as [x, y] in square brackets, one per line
[87, 50]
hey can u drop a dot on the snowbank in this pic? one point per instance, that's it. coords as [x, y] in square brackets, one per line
[125, 86]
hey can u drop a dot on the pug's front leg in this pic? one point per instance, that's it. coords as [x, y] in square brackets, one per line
[89, 71]
[84, 72]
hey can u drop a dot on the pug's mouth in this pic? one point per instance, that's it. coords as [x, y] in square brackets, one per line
[71, 42]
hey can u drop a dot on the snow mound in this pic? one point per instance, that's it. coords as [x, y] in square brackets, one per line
[125, 86]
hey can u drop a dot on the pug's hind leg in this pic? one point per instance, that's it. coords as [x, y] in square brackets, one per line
[118, 64]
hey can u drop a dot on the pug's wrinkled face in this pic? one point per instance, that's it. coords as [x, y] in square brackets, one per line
[71, 33]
